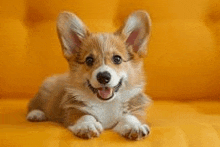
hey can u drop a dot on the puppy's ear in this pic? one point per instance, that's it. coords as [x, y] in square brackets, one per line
[136, 31]
[71, 31]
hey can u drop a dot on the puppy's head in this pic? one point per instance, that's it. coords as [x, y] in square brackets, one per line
[104, 62]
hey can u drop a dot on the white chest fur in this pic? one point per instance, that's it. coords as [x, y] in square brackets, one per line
[107, 113]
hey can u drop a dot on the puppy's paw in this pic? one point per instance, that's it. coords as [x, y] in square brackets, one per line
[36, 116]
[135, 132]
[132, 129]
[89, 128]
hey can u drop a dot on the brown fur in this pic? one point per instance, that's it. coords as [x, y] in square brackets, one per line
[55, 98]
[52, 90]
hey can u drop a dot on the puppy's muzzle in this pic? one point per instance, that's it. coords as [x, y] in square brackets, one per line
[105, 93]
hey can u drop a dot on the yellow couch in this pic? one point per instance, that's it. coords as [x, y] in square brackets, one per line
[183, 64]
[173, 124]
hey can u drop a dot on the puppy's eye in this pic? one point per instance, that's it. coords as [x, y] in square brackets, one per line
[89, 61]
[116, 59]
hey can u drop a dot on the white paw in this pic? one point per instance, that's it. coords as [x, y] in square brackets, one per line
[87, 127]
[36, 115]
[132, 129]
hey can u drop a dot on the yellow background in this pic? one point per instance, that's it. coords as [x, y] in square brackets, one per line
[184, 51]
[183, 64]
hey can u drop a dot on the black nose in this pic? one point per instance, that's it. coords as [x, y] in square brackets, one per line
[103, 77]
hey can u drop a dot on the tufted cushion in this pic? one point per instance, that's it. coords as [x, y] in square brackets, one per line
[173, 124]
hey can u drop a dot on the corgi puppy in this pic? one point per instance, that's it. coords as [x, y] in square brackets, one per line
[104, 86]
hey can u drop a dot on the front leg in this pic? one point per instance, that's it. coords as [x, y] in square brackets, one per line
[131, 128]
[86, 127]
[79, 122]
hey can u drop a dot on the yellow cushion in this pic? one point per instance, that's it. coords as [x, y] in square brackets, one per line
[173, 124]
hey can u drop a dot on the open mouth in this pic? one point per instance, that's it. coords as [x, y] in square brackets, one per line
[105, 93]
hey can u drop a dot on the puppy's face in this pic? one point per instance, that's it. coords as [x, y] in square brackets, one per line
[104, 61]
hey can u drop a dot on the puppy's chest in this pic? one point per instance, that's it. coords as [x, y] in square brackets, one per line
[107, 113]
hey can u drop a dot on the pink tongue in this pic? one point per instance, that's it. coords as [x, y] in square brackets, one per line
[105, 92]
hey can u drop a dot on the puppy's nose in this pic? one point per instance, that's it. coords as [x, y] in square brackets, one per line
[103, 77]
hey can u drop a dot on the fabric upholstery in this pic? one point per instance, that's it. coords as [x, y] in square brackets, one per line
[173, 124]
[183, 63]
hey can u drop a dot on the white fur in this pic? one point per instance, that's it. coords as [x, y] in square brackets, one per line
[36, 115]
[127, 94]
[130, 124]
[77, 26]
[107, 112]
[115, 78]
[87, 125]
[131, 24]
